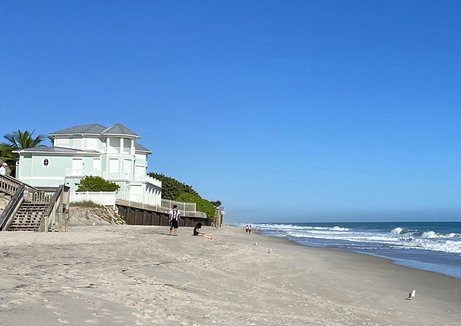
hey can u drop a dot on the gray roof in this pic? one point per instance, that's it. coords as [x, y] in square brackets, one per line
[90, 129]
[119, 129]
[96, 129]
[56, 150]
[139, 148]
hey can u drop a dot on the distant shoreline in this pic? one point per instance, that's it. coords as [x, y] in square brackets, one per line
[437, 261]
[341, 251]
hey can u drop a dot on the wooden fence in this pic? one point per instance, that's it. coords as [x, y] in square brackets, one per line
[143, 216]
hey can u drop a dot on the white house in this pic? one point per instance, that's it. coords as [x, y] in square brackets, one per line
[112, 153]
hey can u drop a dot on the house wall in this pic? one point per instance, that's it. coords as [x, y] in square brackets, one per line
[140, 167]
[32, 169]
[89, 143]
[118, 162]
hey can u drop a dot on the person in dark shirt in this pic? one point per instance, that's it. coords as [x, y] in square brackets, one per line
[197, 231]
[174, 220]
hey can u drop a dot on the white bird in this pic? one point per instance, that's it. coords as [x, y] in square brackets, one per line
[269, 250]
[255, 244]
[412, 294]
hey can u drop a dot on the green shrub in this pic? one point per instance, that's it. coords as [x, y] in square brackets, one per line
[203, 205]
[94, 183]
[172, 188]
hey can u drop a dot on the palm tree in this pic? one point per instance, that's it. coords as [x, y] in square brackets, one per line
[17, 140]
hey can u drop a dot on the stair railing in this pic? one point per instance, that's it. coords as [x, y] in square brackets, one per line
[56, 215]
[9, 185]
[10, 210]
[39, 196]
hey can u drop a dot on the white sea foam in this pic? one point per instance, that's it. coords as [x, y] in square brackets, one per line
[445, 246]
[299, 227]
[397, 231]
[398, 238]
[434, 235]
[400, 230]
[352, 237]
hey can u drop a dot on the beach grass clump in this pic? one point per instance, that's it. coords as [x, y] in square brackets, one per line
[86, 204]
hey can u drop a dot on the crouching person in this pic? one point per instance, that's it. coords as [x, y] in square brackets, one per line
[198, 233]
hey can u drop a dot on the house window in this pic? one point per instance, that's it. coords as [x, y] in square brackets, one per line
[45, 162]
[126, 146]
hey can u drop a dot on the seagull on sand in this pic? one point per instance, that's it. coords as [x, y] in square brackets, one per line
[411, 295]
[255, 244]
[269, 250]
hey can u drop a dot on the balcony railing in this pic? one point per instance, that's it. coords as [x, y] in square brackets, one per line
[149, 179]
[116, 176]
[82, 172]
[105, 175]
[113, 176]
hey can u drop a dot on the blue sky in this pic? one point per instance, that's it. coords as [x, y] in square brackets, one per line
[283, 110]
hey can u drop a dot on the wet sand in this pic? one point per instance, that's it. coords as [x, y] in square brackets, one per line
[137, 275]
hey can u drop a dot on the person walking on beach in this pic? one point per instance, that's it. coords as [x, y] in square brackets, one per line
[174, 220]
[249, 229]
[246, 229]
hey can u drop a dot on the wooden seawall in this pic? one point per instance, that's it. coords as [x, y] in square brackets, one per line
[136, 214]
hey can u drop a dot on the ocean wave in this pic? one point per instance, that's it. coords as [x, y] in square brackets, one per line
[424, 244]
[434, 235]
[400, 230]
[353, 237]
[399, 237]
[451, 246]
[299, 227]
[427, 234]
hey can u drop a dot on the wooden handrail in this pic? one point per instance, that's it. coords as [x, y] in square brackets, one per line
[51, 217]
[11, 208]
[53, 201]
[16, 181]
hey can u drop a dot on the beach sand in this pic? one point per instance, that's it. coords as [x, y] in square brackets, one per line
[138, 275]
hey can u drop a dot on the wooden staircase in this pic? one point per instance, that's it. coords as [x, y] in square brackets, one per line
[26, 208]
[28, 217]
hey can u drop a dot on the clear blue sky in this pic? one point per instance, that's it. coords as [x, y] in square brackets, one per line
[283, 110]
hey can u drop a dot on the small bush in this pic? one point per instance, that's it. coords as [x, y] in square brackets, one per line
[94, 183]
[86, 204]
[172, 188]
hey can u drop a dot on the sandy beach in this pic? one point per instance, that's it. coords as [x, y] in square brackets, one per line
[133, 275]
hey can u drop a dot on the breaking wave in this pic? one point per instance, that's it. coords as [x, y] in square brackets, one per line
[345, 237]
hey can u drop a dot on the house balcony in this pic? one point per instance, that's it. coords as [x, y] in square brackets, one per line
[117, 176]
[148, 179]
[82, 173]
[106, 175]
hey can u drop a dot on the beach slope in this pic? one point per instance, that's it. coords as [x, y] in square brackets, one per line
[133, 275]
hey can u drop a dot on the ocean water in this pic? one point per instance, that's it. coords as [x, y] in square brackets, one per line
[431, 246]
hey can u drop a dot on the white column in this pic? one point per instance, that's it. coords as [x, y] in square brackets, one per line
[106, 169]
